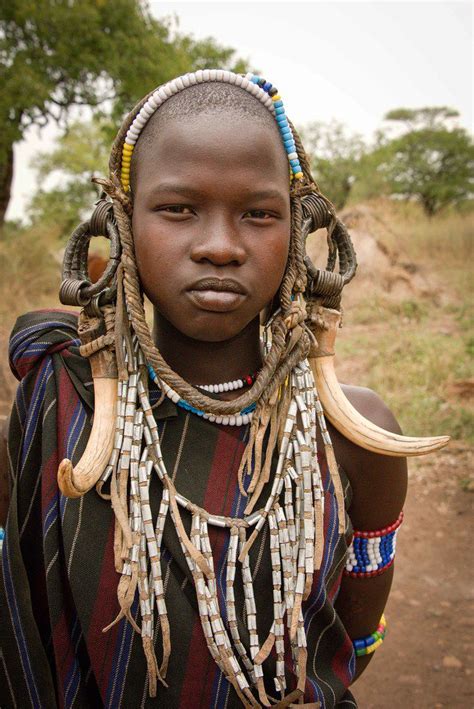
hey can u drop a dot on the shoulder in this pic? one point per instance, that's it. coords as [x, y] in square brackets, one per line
[38, 333]
[378, 482]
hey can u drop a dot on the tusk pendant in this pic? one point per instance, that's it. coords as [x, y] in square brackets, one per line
[75, 481]
[344, 417]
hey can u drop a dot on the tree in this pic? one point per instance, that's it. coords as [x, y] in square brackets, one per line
[335, 157]
[429, 162]
[55, 55]
[80, 154]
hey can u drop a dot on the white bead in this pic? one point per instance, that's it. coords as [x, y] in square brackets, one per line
[269, 104]
[245, 83]
[238, 421]
[167, 90]
[248, 76]
[154, 101]
[220, 387]
[219, 75]
[225, 386]
[139, 123]
[175, 397]
[179, 83]
[238, 80]
[212, 75]
[133, 133]
[226, 76]
[232, 77]
[129, 140]
[205, 75]
[225, 420]
[162, 94]
[292, 156]
[212, 418]
[218, 419]
[231, 386]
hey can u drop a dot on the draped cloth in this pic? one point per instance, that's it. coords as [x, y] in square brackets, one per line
[58, 583]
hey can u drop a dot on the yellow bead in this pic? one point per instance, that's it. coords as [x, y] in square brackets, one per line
[127, 148]
[277, 97]
[299, 175]
[126, 161]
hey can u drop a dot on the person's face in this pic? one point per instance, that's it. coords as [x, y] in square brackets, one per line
[211, 223]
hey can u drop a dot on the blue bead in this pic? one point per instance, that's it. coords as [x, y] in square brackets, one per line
[282, 122]
[295, 163]
[358, 644]
[278, 104]
[267, 86]
[254, 79]
[279, 111]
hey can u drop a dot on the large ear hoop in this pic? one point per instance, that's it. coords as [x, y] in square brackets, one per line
[96, 331]
[323, 296]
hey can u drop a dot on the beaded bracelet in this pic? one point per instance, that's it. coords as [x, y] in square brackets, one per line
[369, 644]
[372, 553]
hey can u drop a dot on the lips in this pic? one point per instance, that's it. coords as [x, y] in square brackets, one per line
[219, 295]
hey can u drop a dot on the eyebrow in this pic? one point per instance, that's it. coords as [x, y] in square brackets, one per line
[188, 191]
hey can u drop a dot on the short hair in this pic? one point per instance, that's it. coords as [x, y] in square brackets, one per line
[210, 98]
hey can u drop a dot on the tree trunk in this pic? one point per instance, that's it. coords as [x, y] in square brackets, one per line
[6, 177]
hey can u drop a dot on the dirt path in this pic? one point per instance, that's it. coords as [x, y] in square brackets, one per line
[426, 661]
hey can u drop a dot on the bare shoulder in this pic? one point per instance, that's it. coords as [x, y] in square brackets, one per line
[379, 482]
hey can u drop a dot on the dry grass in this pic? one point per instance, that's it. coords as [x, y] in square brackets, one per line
[416, 351]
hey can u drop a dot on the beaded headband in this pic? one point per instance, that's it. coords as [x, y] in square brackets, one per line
[262, 89]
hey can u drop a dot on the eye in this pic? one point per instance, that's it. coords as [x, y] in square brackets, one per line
[260, 214]
[179, 209]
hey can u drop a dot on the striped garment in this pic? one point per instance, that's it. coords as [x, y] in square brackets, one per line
[58, 588]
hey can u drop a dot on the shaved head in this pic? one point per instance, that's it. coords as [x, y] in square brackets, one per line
[212, 98]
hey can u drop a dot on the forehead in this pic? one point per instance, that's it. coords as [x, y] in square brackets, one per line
[223, 143]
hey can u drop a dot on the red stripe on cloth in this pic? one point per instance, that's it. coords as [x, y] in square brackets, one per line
[101, 646]
[67, 398]
[341, 662]
[219, 499]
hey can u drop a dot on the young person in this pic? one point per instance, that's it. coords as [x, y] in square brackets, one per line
[207, 568]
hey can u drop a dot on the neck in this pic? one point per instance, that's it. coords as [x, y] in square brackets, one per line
[199, 362]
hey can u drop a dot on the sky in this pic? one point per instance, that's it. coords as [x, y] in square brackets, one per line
[348, 61]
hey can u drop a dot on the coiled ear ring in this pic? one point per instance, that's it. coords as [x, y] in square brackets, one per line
[76, 285]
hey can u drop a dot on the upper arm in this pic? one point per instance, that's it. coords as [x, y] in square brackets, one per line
[379, 482]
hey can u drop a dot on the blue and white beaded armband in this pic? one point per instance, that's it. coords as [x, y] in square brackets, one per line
[372, 553]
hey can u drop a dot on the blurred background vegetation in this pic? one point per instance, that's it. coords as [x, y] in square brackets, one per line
[409, 193]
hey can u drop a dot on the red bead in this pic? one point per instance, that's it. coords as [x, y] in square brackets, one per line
[248, 379]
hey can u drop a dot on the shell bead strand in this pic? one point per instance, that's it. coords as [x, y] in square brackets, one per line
[260, 88]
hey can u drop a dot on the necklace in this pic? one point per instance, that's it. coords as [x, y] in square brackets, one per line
[240, 419]
[293, 514]
[248, 380]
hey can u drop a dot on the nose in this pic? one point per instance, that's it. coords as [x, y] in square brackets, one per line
[219, 243]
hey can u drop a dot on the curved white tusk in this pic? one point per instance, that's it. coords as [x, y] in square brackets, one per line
[340, 411]
[76, 481]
